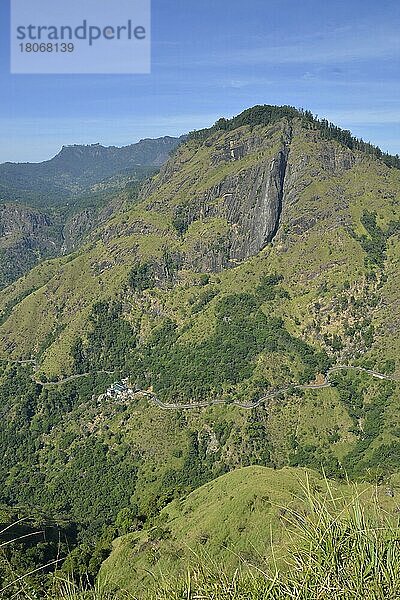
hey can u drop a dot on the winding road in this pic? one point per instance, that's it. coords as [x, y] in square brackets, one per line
[70, 378]
[33, 362]
[250, 405]
[193, 405]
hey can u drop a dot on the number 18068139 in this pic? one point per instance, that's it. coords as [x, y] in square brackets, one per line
[47, 47]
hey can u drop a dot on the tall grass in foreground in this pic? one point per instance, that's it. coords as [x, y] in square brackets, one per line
[69, 590]
[13, 585]
[339, 552]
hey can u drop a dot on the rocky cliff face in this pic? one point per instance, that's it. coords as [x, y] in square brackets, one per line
[17, 221]
[281, 195]
[242, 208]
[26, 236]
[246, 190]
[248, 198]
[258, 220]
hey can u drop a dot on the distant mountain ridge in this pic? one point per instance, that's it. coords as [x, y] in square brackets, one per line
[47, 208]
[78, 167]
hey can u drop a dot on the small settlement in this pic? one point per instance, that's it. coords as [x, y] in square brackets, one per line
[120, 390]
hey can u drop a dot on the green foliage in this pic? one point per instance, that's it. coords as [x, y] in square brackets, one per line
[204, 279]
[257, 441]
[141, 277]
[31, 547]
[368, 423]
[92, 481]
[203, 299]
[375, 243]
[268, 288]
[266, 115]
[108, 343]
[180, 219]
[10, 305]
[225, 359]
[341, 547]
[258, 115]
[86, 559]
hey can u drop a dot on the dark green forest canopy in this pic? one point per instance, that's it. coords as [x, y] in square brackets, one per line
[179, 372]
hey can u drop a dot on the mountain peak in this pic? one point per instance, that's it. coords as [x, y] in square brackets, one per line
[268, 114]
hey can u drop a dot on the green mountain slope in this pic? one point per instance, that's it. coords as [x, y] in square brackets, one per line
[213, 208]
[265, 252]
[240, 520]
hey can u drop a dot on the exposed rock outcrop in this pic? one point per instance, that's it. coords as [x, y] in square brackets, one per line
[26, 236]
[249, 201]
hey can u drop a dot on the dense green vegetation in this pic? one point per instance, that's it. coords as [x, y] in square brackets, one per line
[226, 359]
[214, 368]
[28, 543]
[175, 293]
[369, 455]
[109, 342]
[36, 411]
[141, 277]
[329, 540]
[375, 242]
[267, 115]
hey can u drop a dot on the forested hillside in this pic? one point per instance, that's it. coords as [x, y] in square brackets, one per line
[263, 255]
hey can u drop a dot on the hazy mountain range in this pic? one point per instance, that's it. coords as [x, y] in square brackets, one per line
[47, 208]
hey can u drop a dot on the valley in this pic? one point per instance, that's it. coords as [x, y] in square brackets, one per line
[246, 296]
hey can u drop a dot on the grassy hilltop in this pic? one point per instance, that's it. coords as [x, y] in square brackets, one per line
[245, 519]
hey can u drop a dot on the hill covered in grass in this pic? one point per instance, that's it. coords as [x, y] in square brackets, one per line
[252, 533]
[251, 519]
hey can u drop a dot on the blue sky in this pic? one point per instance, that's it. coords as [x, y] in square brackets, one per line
[214, 58]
